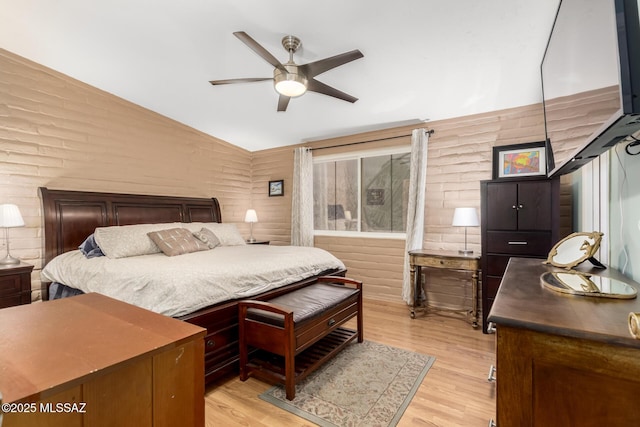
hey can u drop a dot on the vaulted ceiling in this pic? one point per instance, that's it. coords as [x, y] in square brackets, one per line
[423, 59]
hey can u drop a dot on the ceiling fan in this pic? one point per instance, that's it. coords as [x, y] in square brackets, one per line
[290, 79]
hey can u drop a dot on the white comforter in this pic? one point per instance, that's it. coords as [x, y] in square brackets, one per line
[175, 286]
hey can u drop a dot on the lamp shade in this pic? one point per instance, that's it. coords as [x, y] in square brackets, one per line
[251, 216]
[10, 216]
[465, 217]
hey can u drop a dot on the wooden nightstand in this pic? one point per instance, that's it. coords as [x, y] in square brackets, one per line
[15, 284]
[258, 242]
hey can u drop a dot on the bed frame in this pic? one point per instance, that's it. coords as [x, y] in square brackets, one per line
[71, 216]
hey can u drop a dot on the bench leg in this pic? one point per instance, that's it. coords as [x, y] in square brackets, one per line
[359, 319]
[290, 358]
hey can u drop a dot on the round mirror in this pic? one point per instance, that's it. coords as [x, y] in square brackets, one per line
[571, 282]
[574, 249]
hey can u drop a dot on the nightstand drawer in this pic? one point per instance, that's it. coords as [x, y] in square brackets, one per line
[10, 285]
[448, 263]
[11, 301]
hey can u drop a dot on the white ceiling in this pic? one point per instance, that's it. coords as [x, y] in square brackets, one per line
[423, 59]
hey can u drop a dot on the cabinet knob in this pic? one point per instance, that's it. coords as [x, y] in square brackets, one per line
[492, 423]
[211, 343]
[514, 207]
[520, 206]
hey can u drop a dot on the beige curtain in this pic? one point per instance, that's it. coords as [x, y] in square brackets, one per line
[302, 198]
[415, 208]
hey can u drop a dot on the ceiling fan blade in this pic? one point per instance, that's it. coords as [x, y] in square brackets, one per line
[264, 53]
[283, 102]
[230, 81]
[319, 87]
[312, 69]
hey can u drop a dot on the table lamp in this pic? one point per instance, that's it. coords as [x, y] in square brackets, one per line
[251, 216]
[9, 217]
[465, 217]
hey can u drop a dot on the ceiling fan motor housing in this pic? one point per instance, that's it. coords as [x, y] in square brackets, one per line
[292, 83]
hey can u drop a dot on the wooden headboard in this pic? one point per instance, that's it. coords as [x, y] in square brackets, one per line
[71, 216]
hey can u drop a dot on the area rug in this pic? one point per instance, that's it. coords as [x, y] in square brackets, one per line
[366, 384]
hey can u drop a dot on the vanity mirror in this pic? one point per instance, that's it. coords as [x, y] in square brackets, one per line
[574, 249]
[572, 282]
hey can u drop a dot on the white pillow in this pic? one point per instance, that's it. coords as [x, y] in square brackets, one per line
[129, 240]
[228, 234]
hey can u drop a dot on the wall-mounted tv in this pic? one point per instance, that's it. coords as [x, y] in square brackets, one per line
[591, 80]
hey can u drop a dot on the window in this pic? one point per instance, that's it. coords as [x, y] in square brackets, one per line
[362, 193]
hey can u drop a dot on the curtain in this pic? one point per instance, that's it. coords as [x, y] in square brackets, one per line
[302, 198]
[415, 208]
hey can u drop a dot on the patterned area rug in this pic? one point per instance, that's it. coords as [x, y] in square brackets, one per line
[367, 384]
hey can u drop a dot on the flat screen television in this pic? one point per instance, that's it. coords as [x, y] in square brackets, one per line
[591, 80]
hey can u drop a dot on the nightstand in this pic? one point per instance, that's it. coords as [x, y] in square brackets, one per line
[258, 242]
[15, 284]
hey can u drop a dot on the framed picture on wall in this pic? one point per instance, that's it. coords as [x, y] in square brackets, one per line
[276, 188]
[519, 160]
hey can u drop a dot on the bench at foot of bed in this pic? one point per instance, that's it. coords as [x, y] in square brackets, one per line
[286, 338]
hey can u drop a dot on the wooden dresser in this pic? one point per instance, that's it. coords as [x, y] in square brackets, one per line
[519, 218]
[90, 360]
[563, 360]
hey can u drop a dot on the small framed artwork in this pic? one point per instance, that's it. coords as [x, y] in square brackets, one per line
[276, 188]
[519, 160]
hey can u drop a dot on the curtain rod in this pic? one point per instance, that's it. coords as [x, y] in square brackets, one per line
[429, 131]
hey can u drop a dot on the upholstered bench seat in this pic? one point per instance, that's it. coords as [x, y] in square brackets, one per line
[306, 303]
[303, 327]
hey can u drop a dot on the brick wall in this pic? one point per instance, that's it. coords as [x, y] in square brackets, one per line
[459, 156]
[60, 133]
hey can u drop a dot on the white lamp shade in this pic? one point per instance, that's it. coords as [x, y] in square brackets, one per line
[10, 216]
[251, 216]
[465, 217]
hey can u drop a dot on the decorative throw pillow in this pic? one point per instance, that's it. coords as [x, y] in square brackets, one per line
[176, 241]
[207, 237]
[121, 241]
[228, 234]
[90, 248]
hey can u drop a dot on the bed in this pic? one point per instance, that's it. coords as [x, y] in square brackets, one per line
[70, 217]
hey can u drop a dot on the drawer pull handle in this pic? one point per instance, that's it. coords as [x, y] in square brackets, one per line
[492, 374]
[492, 423]
[331, 322]
[517, 243]
[211, 343]
[491, 328]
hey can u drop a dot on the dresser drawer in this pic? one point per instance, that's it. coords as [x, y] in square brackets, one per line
[491, 286]
[519, 243]
[497, 264]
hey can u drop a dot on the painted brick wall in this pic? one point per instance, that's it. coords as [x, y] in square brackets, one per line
[60, 133]
[459, 157]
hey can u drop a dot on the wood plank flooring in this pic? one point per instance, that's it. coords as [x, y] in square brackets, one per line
[454, 393]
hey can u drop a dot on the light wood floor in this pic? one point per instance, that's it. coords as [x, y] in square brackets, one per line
[455, 392]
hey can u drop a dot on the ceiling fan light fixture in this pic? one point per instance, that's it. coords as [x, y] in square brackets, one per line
[290, 84]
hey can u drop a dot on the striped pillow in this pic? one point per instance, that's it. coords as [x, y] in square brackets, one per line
[176, 241]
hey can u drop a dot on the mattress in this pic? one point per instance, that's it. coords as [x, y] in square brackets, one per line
[179, 285]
